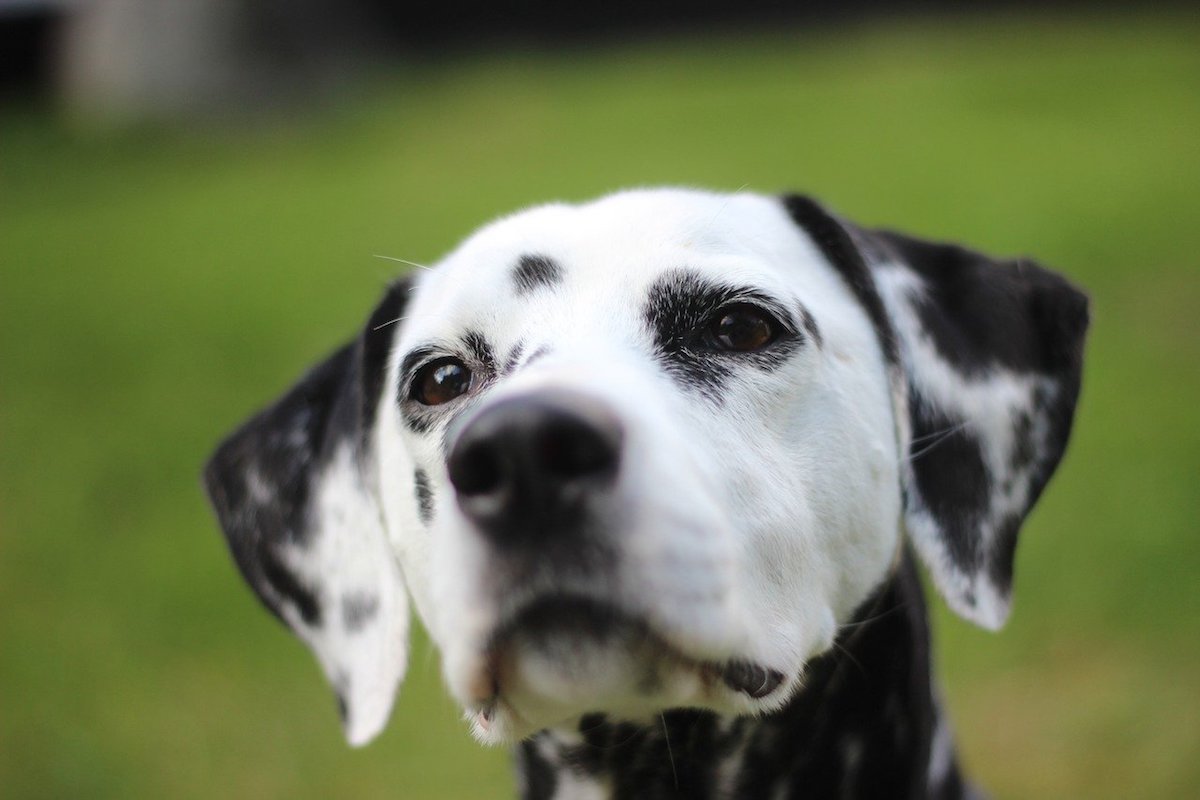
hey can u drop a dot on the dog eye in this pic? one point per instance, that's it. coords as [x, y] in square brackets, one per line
[742, 328]
[441, 381]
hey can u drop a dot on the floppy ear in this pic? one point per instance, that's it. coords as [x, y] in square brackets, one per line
[295, 491]
[990, 355]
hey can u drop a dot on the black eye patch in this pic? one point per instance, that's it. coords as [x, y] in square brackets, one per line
[680, 312]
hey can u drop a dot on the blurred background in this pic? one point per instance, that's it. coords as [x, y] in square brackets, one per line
[190, 197]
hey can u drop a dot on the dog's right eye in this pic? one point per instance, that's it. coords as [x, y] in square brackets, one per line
[742, 328]
[441, 381]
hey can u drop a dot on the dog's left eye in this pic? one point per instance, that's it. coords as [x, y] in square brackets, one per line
[742, 328]
[441, 381]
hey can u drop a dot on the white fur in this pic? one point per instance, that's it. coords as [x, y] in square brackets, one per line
[748, 530]
[351, 558]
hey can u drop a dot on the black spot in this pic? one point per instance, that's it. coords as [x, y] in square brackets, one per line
[358, 610]
[981, 311]
[1024, 452]
[287, 585]
[1004, 550]
[533, 271]
[424, 495]
[589, 758]
[678, 308]
[836, 244]
[952, 477]
[342, 709]
[537, 774]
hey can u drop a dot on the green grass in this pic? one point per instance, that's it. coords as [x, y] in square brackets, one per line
[158, 284]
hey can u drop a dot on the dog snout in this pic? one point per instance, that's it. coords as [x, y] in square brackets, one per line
[531, 465]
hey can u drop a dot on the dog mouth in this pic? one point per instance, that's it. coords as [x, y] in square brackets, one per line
[579, 653]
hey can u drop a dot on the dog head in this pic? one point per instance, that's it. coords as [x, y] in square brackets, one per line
[651, 452]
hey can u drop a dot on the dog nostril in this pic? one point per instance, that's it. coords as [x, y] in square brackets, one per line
[476, 470]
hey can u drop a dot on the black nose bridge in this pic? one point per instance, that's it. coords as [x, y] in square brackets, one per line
[530, 466]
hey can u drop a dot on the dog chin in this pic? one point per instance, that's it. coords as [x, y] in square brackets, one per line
[562, 658]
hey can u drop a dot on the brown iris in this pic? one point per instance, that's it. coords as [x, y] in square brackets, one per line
[742, 328]
[441, 381]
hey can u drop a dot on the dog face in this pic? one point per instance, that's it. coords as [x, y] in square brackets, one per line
[650, 452]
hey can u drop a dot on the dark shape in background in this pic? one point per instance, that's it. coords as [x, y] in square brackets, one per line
[116, 58]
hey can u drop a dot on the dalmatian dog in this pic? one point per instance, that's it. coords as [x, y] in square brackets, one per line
[656, 472]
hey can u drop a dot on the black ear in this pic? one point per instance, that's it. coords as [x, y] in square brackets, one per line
[294, 489]
[990, 354]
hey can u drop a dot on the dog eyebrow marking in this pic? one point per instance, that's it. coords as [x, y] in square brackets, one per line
[424, 495]
[534, 271]
[810, 325]
[541, 352]
[481, 350]
[678, 306]
[510, 363]
[358, 608]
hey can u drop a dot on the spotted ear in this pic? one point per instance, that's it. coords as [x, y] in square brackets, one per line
[986, 359]
[993, 352]
[295, 491]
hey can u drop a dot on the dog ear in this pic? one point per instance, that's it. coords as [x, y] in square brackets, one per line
[989, 356]
[295, 491]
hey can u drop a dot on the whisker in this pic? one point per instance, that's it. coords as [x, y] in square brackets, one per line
[875, 618]
[928, 436]
[402, 261]
[728, 200]
[670, 754]
[595, 727]
[851, 658]
[389, 322]
[941, 437]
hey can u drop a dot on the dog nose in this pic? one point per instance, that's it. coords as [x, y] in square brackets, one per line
[530, 465]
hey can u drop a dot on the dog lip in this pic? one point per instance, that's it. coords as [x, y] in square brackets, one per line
[573, 614]
[558, 612]
[750, 678]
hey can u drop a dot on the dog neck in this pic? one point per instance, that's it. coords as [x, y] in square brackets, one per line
[866, 724]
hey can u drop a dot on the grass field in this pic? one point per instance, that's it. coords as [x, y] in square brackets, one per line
[158, 284]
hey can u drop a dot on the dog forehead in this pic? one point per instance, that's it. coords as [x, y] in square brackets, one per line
[629, 230]
[604, 256]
